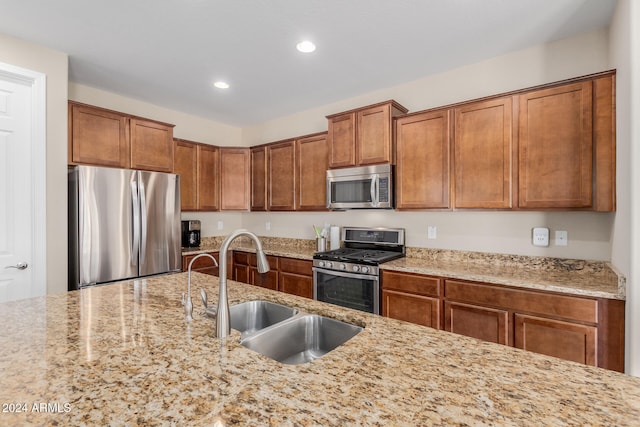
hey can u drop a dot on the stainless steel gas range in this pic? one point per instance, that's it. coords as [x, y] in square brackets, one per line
[349, 276]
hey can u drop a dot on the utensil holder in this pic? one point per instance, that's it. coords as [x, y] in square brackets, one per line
[321, 244]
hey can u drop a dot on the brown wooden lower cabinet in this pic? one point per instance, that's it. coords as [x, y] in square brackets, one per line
[290, 275]
[411, 308]
[202, 264]
[569, 341]
[411, 297]
[582, 329]
[267, 280]
[487, 324]
[296, 277]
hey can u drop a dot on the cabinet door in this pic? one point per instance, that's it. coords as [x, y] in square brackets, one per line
[312, 157]
[569, 341]
[281, 176]
[267, 280]
[342, 140]
[98, 137]
[487, 324]
[556, 147]
[422, 160]
[295, 284]
[373, 135]
[483, 147]
[259, 179]
[208, 182]
[412, 308]
[234, 178]
[296, 277]
[151, 145]
[186, 165]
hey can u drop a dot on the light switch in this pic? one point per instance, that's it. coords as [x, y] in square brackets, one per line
[220, 225]
[432, 232]
[540, 236]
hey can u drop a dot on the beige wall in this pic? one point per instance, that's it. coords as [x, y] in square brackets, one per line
[624, 41]
[186, 126]
[506, 232]
[54, 65]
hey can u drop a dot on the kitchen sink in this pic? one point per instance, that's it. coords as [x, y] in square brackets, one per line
[301, 339]
[252, 316]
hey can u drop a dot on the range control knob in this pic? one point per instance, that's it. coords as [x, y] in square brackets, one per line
[321, 263]
[328, 264]
[343, 266]
[356, 268]
[364, 269]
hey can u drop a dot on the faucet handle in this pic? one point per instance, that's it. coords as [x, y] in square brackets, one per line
[188, 307]
[203, 295]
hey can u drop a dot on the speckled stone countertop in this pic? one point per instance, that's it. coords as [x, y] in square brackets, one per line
[577, 277]
[122, 354]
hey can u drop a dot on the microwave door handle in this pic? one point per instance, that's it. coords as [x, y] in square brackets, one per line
[374, 190]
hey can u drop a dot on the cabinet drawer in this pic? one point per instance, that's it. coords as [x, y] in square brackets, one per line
[200, 263]
[296, 266]
[240, 258]
[567, 307]
[273, 261]
[413, 283]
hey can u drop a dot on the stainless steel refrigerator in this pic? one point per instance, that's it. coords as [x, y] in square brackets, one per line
[122, 224]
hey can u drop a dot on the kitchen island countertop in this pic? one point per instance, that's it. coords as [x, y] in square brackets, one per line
[122, 354]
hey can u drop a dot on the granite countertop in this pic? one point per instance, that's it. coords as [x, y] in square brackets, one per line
[597, 279]
[122, 354]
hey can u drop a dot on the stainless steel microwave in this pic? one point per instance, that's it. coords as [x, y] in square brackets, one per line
[365, 187]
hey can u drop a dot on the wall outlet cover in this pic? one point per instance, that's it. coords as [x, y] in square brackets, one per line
[540, 236]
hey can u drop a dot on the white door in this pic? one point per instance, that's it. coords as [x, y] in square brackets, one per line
[21, 187]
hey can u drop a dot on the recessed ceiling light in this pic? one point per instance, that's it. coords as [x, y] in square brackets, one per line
[221, 85]
[306, 46]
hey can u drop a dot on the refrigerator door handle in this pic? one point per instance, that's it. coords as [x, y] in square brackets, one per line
[135, 210]
[143, 221]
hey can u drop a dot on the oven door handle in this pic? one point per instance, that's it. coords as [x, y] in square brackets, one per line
[373, 277]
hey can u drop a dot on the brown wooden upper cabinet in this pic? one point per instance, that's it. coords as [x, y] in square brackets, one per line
[98, 136]
[363, 136]
[483, 146]
[259, 178]
[186, 165]
[281, 176]
[102, 137]
[546, 148]
[422, 160]
[556, 147]
[290, 175]
[198, 166]
[151, 145]
[235, 170]
[312, 156]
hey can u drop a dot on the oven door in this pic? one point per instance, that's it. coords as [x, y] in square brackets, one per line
[351, 290]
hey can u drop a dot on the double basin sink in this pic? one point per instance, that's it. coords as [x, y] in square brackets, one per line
[286, 335]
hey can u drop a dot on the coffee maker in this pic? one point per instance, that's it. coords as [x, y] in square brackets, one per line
[191, 233]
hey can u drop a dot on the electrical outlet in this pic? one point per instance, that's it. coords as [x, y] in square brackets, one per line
[540, 236]
[267, 225]
[562, 238]
[220, 225]
[432, 232]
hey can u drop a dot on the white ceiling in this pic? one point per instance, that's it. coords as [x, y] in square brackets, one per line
[168, 52]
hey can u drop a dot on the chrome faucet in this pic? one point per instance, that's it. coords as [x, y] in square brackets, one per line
[223, 325]
[186, 301]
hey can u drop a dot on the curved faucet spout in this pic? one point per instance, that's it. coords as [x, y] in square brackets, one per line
[186, 300]
[223, 324]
